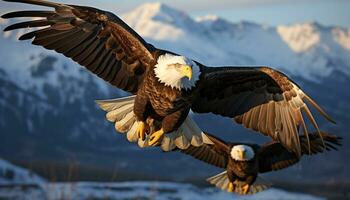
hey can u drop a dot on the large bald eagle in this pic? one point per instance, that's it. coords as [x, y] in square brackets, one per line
[243, 162]
[168, 85]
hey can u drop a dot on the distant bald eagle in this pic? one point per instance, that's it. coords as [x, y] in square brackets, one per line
[168, 85]
[243, 162]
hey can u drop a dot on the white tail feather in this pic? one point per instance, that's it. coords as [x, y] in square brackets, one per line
[120, 112]
[112, 104]
[132, 133]
[222, 181]
[168, 143]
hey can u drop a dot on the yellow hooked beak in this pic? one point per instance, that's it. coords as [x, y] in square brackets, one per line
[242, 154]
[187, 71]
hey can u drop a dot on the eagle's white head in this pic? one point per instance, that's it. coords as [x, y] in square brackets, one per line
[177, 71]
[242, 153]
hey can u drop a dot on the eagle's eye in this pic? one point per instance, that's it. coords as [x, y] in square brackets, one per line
[176, 66]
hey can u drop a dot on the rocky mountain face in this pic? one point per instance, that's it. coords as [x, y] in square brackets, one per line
[48, 113]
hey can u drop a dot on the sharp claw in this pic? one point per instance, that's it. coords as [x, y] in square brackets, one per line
[155, 144]
[141, 130]
[231, 187]
[245, 189]
[156, 136]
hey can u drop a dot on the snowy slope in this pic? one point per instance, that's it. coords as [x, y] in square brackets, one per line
[22, 68]
[48, 82]
[14, 179]
[307, 50]
[140, 190]
[159, 191]
[12, 174]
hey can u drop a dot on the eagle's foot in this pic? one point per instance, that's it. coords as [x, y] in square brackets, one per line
[231, 187]
[245, 189]
[141, 130]
[155, 137]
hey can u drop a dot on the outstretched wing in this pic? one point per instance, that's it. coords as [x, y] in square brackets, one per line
[260, 98]
[96, 39]
[273, 156]
[215, 154]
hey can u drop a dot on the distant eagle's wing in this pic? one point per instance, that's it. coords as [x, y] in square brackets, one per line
[273, 156]
[215, 154]
[260, 98]
[96, 39]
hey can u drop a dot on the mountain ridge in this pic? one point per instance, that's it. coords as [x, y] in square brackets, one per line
[234, 42]
[231, 43]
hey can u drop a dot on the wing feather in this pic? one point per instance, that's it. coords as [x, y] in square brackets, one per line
[96, 39]
[260, 99]
[273, 156]
[215, 154]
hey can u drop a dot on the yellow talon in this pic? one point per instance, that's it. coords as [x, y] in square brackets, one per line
[141, 130]
[155, 137]
[245, 189]
[231, 187]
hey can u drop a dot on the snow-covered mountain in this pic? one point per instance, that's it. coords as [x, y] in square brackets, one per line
[47, 109]
[308, 50]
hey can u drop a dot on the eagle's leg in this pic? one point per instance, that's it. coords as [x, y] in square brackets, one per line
[140, 111]
[233, 181]
[248, 182]
[231, 187]
[155, 137]
[245, 188]
[141, 130]
[170, 123]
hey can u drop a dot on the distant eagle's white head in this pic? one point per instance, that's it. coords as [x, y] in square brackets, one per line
[242, 153]
[177, 71]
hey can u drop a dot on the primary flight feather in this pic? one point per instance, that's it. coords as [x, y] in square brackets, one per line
[168, 85]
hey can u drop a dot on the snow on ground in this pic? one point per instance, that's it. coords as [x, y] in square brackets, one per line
[138, 190]
[20, 183]
[11, 174]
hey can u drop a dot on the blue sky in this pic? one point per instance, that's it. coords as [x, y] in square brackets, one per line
[271, 12]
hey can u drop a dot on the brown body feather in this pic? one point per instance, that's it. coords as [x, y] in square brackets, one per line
[163, 103]
[242, 170]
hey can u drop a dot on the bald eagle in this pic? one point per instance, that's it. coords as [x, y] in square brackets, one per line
[168, 85]
[243, 162]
